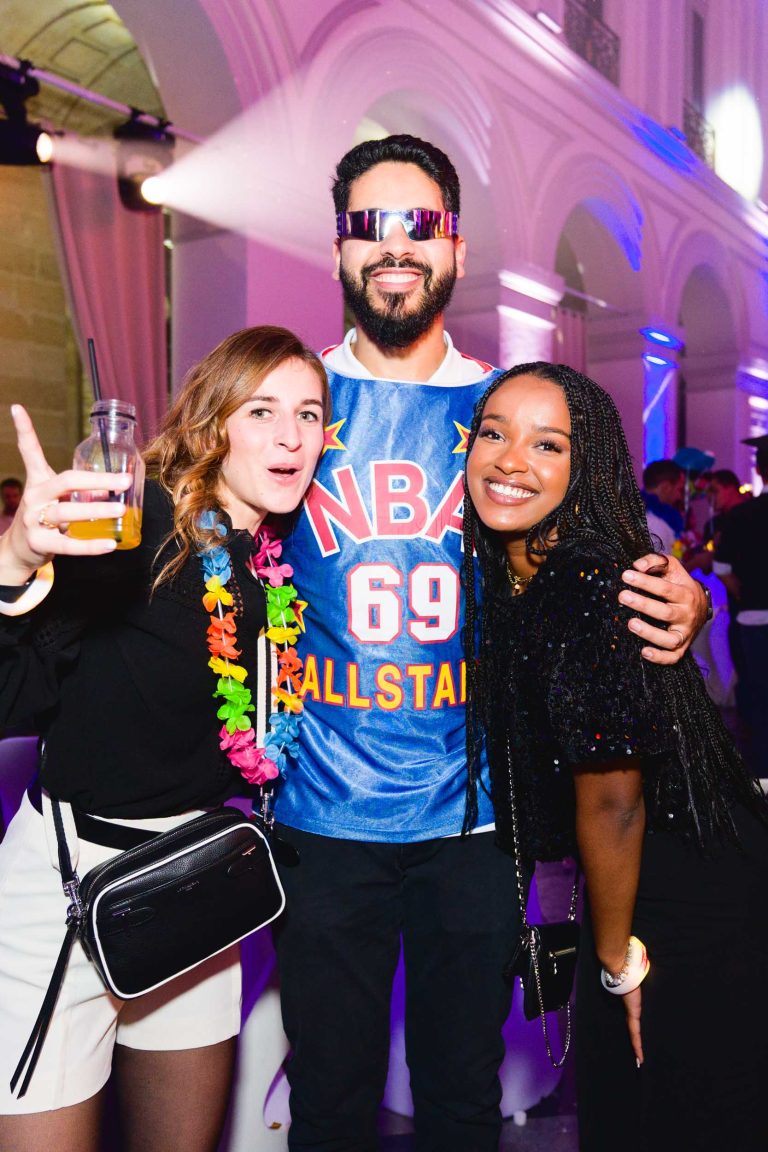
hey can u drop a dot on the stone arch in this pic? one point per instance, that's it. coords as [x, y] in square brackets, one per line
[702, 250]
[580, 179]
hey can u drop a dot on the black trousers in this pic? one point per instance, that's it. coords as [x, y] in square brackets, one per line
[704, 1022]
[348, 903]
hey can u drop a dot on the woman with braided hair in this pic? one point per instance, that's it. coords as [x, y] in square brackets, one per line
[624, 763]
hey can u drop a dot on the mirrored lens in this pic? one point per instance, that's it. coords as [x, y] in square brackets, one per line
[374, 224]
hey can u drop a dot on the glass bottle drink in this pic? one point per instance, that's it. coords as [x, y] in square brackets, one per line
[111, 448]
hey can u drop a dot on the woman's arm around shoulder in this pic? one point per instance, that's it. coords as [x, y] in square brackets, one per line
[603, 699]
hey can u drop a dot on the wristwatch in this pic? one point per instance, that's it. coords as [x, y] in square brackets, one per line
[708, 598]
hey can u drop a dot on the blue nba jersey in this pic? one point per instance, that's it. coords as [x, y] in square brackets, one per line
[377, 553]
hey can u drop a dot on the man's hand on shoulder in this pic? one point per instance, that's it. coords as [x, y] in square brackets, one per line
[681, 608]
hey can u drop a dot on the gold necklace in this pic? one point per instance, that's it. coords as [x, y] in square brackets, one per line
[517, 583]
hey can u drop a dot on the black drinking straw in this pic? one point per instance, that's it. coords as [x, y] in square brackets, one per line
[97, 396]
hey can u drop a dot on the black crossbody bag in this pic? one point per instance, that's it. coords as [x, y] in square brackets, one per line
[161, 908]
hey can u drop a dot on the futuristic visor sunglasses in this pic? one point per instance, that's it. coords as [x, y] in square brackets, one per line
[375, 224]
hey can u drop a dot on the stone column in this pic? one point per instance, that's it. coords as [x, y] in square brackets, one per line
[508, 317]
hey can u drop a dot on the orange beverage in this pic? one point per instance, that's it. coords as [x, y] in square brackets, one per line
[111, 448]
[126, 530]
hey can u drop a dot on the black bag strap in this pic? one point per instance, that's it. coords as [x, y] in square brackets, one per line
[40, 1029]
[516, 844]
[75, 913]
[530, 931]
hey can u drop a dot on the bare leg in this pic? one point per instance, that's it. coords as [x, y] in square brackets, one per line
[73, 1129]
[173, 1099]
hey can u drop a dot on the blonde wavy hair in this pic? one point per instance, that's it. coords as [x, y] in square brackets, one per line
[187, 454]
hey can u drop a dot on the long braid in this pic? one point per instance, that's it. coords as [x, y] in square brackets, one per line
[602, 502]
[472, 675]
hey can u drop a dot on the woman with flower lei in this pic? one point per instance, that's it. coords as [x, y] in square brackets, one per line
[257, 763]
[165, 680]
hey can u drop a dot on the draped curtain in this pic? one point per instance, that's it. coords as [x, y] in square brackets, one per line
[113, 268]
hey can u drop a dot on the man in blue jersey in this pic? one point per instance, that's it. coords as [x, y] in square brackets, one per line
[376, 803]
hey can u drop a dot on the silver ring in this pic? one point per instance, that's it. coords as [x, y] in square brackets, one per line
[43, 520]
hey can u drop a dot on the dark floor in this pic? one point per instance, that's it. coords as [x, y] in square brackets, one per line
[537, 1134]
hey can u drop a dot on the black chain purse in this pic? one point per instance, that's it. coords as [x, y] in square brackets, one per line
[544, 958]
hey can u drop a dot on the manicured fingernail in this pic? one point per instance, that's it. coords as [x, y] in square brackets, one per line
[638, 1061]
[634, 625]
[630, 576]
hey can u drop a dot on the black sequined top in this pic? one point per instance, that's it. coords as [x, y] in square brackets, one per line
[565, 683]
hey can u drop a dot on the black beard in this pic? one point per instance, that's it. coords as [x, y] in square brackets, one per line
[393, 326]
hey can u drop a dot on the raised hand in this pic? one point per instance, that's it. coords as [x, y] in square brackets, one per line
[37, 532]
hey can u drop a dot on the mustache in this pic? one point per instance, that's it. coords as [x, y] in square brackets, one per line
[389, 262]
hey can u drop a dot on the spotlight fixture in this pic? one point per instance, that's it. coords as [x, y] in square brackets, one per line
[20, 141]
[145, 148]
[152, 190]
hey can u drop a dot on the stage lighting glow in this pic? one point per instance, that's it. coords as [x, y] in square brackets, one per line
[144, 149]
[22, 143]
[658, 402]
[253, 178]
[667, 143]
[659, 336]
[152, 189]
[735, 117]
[44, 148]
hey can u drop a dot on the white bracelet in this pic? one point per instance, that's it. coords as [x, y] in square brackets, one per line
[34, 595]
[634, 970]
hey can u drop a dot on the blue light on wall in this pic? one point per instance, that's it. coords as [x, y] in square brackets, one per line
[659, 336]
[658, 407]
[666, 143]
[661, 361]
[627, 232]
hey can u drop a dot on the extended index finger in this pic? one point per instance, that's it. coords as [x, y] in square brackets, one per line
[633, 1008]
[35, 463]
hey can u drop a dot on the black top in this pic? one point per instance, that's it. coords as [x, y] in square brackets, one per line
[743, 544]
[567, 684]
[119, 683]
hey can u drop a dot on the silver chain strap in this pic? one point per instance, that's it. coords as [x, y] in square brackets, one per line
[532, 935]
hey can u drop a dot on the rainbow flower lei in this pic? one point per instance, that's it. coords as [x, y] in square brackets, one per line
[237, 737]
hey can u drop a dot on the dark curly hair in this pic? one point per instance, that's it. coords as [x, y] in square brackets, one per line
[602, 503]
[400, 149]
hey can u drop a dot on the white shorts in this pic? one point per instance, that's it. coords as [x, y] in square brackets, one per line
[201, 1007]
